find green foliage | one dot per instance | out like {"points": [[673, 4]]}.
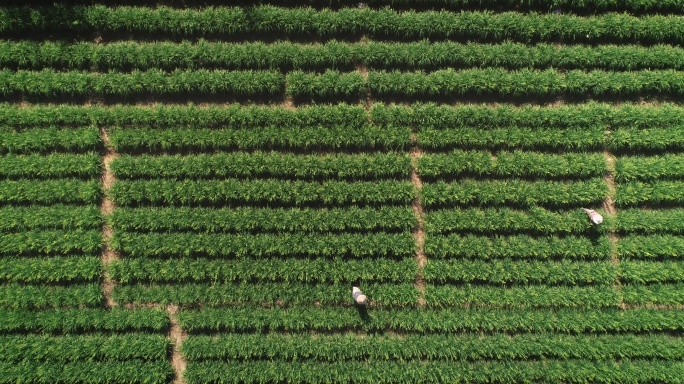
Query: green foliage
{"points": [[444, 321], [519, 272], [264, 245], [467, 347], [531, 296], [651, 139], [512, 164], [50, 242], [430, 372], [264, 165], [651, 247], [79, 320], [643, 221], [248, 219], [87, 371], [631, 168], [53, 166], [49, 192], [65, 349], [655, 294], [657, 193], [50, 83], [648, 272], [46, 140], [551, 194], [324, 271], [396, 295], [537, 139], [286, 138], [285, 55], [64, 217], [534, 220], [516, 247], [50, 270], [18, 296], [383, 23], [327, 85], [525, 83], [231, 191]]}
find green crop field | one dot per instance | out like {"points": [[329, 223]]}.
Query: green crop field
{"points": [[189, 190]]}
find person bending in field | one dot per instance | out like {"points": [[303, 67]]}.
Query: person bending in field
{"points": [[594, 216], [359, 297]]}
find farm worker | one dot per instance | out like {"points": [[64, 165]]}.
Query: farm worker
{"points": [[359, 297], [594, 216]]}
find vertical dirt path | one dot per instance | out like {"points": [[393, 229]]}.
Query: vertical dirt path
{"points": [[177, 336], [609, 207], [107, 208], [418, 231]]}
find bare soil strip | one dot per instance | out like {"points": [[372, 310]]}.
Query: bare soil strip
{"points": [[609, 207], [419, 231], [107, 208], [177, 336]]}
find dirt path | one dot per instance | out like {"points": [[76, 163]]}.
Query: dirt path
{"points": [[609, 207], [419, 231], [107, 208], [177, 336]]}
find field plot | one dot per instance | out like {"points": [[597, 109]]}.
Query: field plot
{"points": [[188, 192]]}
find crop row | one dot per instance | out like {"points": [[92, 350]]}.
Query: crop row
{"points": [[516, 247], [264, 245], [49, 192], [384, 23], [560, 371], [648, 272], [511, 164], [530, 296], [247, 219], [51, 242], [65, 349], [534, 220], [519, 272], [656, 193], [148, 372], [402, 295], [264, 165], [79, 320], [451, 320], [655, 294], [635, 140], [634, 220], [559, 273], [49, 83], [347, 86], [338, 271], [46, 140], [20, 219], [324, 271], [50, 270], [368, 138], [650, 247], [123, 56], [231, 191], [241, 347], [53, 166], [18, 296], [165, 115], [417, 115], [512, 138], [631, 168], [396, 295], [519, 83], [514, 192]]}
